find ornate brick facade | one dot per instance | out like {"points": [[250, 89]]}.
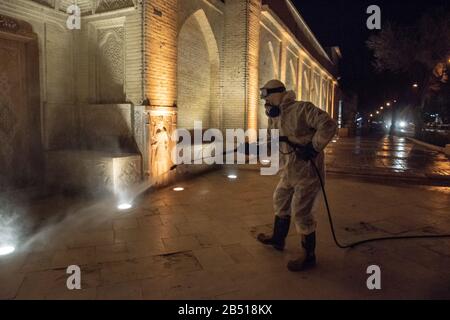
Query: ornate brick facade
{"points": [[183, 60]]}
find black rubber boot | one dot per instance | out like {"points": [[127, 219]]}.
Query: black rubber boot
{"points": [[309, 261], [280, 232]]}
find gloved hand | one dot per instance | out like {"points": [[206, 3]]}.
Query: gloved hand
{"points": [[307, 152]]}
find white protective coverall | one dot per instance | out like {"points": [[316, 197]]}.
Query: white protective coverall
{"points": [[301, 123]]}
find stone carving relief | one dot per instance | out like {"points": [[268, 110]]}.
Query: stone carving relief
{"points": [[130, 173], [110, 5], [110, 65], [162, 124], [100, 177], [160, 147]]}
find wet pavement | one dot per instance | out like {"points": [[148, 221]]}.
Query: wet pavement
{"points": [[200, 244], [388, 157]]}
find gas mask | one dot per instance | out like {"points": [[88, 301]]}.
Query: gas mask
{"points": [[271, 110]]}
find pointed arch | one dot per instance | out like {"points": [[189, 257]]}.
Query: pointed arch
{"points": [[211, 42], [198, 73]]}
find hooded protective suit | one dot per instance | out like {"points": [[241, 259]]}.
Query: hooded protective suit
{"points": [[301, 122]]}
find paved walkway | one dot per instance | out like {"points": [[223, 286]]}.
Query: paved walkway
{"points": [[200, 244], [387, 157]]}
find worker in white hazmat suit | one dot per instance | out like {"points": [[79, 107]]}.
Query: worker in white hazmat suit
{"points": [[304, 124]]}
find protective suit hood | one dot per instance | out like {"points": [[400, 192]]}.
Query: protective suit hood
{"points": [[289, 98]]}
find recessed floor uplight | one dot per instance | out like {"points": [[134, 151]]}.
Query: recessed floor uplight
{"points": [[5, 250], [124, 206], [178, 189], [232, 176]]}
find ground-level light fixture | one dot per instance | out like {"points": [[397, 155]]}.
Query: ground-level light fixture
{"points": [[5, 250], [232, 176], [124, 206], [178, 189]]}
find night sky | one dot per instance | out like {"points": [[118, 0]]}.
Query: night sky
{"points": [[343, 23]]}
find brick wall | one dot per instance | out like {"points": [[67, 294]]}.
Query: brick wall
{"points": [[161, 51], [241, 63], [254, 27]]}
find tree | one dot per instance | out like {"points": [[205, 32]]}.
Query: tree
{"points": [[420, 51]]}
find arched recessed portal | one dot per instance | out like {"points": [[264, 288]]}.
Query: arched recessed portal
{"points": [[198, 74]]}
